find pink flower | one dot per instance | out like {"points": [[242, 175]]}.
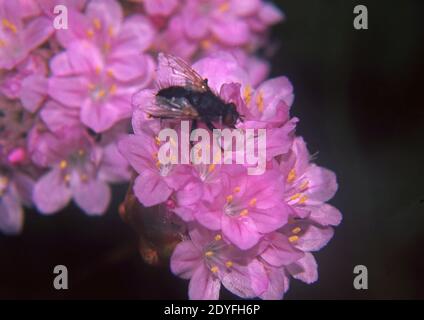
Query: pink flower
{"points": [[209, 261], [15, 191], [309, 186], [17, 37], [160, 7], [247, 208], [78, 169], [82, 79], [155, 181]]}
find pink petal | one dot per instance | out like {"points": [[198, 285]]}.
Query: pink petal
{"points": [[326, 215], [231, 32], [37, 31], [203, 285], [185, 259], [314, 238], [50, 192], [151, 189], [241, 232], [11, 214], [33, 92], [57, 116], [92, 196], [305, 269], [280, 252], [70, 91], [322, 184]]}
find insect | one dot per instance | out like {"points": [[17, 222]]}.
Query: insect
{"points": [[188, 97]]}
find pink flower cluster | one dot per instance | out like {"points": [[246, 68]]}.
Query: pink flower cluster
{"points": [[249, 233], [65, 94]]}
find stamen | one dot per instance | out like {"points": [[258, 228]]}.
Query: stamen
{"points": [[84, 177], [110, 31], [218, 237], [229, 264], [157, 141], [244, 212], [214, 269], [230, 198], [252, 202], [67, 177], [101, 94], [81, 152], [237, 189], [9, 25], [109, 73], [2, 43], [295, 196], [209, 254], [291, 176], [247, 94], [293, 239], [260, 101], [304, 185], [296, 230], [224, 7], [112, 89], [90, 33], [205, 44], [63, 164], [303, 200], [211, 167], [97, 24]]}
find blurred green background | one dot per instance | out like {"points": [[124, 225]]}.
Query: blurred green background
{"points": [[359, 96]]}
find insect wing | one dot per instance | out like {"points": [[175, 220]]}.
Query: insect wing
{"points": [[167, 109], [173, 71]]}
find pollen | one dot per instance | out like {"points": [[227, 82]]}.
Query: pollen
{"points": [[260, 101], [230, 198], [303, 199], [209, 253], [81, 152], [67, 178], [304, 185], [296, 230], [157, 141], [237, 189], [211, 167], [292, 176], [224, 7], [247, 94], [205, 44], [110, 32], [101, 94], [295, 196], [229, 264], [90, 33], [97, 24], [112, 89], [244, 212], [9, 25], [293, 239], [63, 164], [97, 70], [218, 237], [158, 164], [252, 202], [109, 73], [214, 269]]}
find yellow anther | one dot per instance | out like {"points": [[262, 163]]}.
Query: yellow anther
{"points": [[63, 164], [303, 200], [109, 73], [224, 7], [229, 264], [90, 33], [155, 155], [81, 152], [293, 239], [84, 177], [247, 94], [9, 25], [97, 70], [112, 89], [237, 189], [291, 176], [101, 94], [2, 43], [157, 141], [252, 202], [244, 212], [260, 101], [218, 237], [205, 44], [230, 198], [158, 164], [304, 185], [296, 230], [106, 46], [97, 24], [211, 167], [67, 177], [91, 86], [295, 196], [110, 31], [214, 269], [209, 253]]}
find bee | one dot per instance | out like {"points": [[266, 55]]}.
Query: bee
{"points": [[187, 96]]}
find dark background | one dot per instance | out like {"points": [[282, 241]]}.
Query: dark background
{"points": [[359, 98]]}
